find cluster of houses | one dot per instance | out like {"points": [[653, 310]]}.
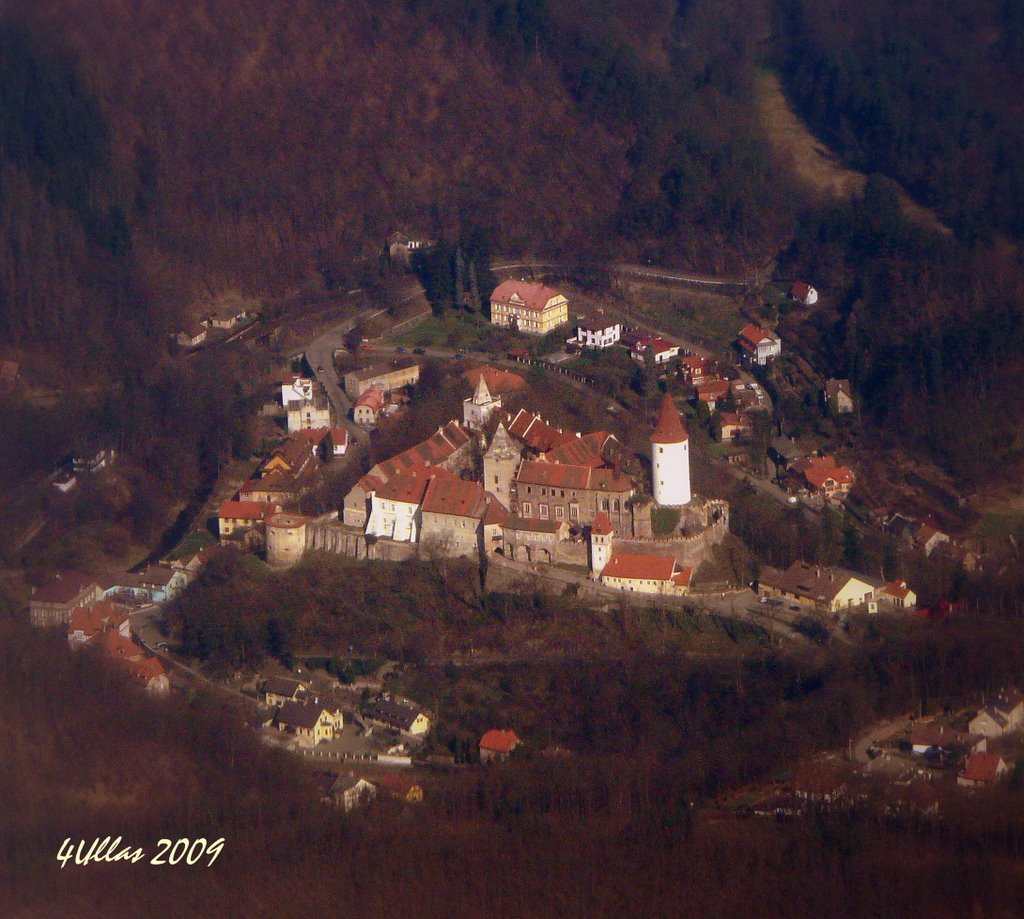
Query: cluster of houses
{"points": [[88, 610], [311, 718], [291, 470], [52, 604], [380, 389], [224, 319], [1004, 715], [818, 476]]}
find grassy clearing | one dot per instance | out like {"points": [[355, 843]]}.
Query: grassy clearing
{"points": [[713, 318], [460, 330], [1002, 525]]}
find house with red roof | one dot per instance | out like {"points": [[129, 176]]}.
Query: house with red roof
{"points": [[233, 516], [368, 406], [822, 476], [982, 769], [528, 307], [339, 441], [735, 426], [711, 392], [757, 345], [663, 351], [646, 574], [803, 293], [90, 621], [54, 602], [395, 505], [497, 745], [898, 594]]}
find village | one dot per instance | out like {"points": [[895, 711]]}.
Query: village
{"points": [[525, 500]]}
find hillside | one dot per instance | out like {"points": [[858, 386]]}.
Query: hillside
{"points": [[173, 152]]}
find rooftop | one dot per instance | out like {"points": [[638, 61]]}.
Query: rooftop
{"points": [[669, 429], [640, 567], [531, 295]]}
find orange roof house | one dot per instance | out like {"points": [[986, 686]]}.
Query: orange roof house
{"points": [[646, 574], [497, 745], [982, 769]]}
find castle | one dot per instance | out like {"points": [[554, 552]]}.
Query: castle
{"points": [[530, 492]]}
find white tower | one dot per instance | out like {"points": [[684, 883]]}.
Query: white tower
{"points": [[670, 457], [478, 408], [601, 535]]}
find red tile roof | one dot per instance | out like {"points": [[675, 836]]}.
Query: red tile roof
{"points": [[562, 475], [64, 588], [669, 429], [581, 451], [246, 510], [373, 397], [115, 645], [982, 767], [92, 619], [896, 589], [656, 343], [498, 381], [499, 741], [818, 470], [528, 294], [753, 336], [602, 526], [713, 390], [339, 436], [536, 433], [640, 567], [432, 452], [455, 497], [800, 290], [407, 488], [496, 512], [313, 436]]}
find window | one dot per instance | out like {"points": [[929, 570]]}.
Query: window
{"points": [[604, 504], [661, 449], [543, 508], [574, 512], [527, 508], [495, 480], [559, 512]]}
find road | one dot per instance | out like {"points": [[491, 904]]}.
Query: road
{"points": [[653, 272]]}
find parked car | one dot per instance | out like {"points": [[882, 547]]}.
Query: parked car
{"points": [[418, 351], [401, 350]]}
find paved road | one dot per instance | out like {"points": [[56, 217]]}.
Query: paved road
{"points": [[654, 272]]}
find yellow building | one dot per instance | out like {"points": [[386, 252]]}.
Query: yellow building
{"points": [[528, 307], [818, 587]]}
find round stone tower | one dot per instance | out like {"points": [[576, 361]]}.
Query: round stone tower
{"points": [[286, 539], [670, 457]]}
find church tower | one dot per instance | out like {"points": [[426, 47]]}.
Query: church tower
{"points": [[670, 457], [601, 535], [500, 464]]}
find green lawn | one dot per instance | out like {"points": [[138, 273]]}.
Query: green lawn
{"points": [[459, 330]]}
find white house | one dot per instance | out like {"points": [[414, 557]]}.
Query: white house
{"points": [[395, 508], [759, 346], [595, 333], [663, 350], [297, 389], [803, 293]]}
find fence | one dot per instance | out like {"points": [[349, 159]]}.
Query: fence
{"points": [[381, 759], [554, 368]]}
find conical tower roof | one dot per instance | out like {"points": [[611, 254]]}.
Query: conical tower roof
{"points": [[501, 446], [482, 395], [669, 429]]}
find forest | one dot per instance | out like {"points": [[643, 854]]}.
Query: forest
{"points": [[652, 739]]}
